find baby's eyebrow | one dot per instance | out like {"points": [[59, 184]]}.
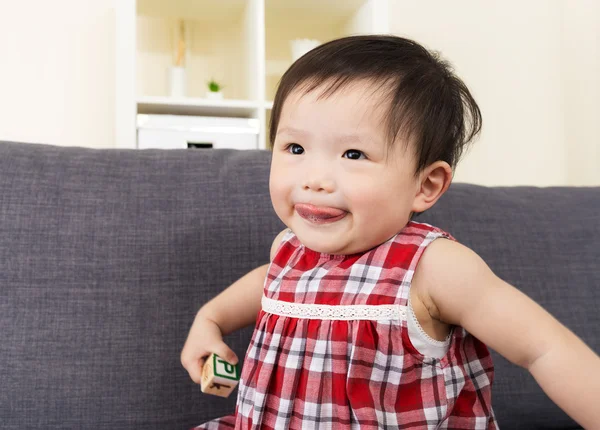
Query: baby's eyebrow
{"points": [[361, 138], [290, 131], [341, 138]]}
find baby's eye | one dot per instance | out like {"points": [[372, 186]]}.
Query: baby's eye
{"points": [[295, 149], [354, 154]]}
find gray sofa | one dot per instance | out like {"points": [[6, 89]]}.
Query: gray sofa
{"points": [[106, 255]]}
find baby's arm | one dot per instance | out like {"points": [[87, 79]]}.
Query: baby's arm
{"points": [[234, 308], [238, 305], [460, 289]]}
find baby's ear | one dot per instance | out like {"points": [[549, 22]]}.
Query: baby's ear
{"points": [[434, 180]]}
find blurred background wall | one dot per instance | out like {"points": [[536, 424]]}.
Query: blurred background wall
{"points": [[57, 72]]}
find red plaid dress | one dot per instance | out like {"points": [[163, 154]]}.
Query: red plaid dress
{"points": [[331, 348]]}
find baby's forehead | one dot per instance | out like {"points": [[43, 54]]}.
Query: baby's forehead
{"points": [[363, 92], [354, 106]]}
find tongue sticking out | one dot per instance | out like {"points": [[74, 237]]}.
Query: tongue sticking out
{"points": [[319, 213]]}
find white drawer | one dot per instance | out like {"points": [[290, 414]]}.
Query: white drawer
{"points": [[180, 132]]}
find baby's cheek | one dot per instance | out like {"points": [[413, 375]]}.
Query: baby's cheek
{"points": [[364, 194], [281, 197], [277, 197], [276, 183]]}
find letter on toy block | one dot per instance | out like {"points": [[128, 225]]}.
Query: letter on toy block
{"points": [[219, 377]]}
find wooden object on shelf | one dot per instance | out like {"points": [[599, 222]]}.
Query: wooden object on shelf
{"points": [[180, 45]]}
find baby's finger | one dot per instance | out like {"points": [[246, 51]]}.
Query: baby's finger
{"points": [[195, 370], [223, 351]]}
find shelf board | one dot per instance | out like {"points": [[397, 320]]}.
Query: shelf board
{"points": [[198, 10], [197, 106], [331, 10], [218, 10]]}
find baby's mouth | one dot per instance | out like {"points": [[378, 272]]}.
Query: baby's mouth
{"points": [[319, 214]]}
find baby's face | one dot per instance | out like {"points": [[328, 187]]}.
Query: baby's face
{"points": [[333, 182]]}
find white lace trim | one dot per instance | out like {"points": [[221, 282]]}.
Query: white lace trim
{"points": [[335, 312]]}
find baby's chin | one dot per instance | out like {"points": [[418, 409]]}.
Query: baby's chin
{"points": [[342, 243], [324, 245]]}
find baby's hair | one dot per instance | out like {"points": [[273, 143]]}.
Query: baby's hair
{"points": [[427, 103]]}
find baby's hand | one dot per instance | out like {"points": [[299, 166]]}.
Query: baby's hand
{"points": [[205, 337], [219, 377]]}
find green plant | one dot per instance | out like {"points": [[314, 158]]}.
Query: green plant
{"points": [[214, 86]]}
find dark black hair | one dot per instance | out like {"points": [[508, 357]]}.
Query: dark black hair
{"points": [[428, 103]]}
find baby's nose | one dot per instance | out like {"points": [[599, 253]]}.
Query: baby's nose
{"points": [[318, 182]]}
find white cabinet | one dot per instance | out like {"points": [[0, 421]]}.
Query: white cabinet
{"points": [[181, 132], [243, 44]]}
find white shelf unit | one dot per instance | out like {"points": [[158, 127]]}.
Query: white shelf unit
{"points": [[243, 44]]}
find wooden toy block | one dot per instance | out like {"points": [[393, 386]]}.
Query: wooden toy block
{"points": [[218, 376]]}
